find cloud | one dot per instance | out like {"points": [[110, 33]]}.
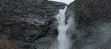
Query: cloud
{"points": [[64, 1]]}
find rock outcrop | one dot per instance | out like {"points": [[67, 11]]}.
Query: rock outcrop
{"points": [[92, 23], [29, 23]]}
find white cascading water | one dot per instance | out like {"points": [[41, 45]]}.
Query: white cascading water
{"points": [[63, 39]]}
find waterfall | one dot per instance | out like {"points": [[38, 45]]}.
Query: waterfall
{"points": [[64, 41]]}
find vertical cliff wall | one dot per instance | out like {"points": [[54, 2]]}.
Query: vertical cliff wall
{"points": [[92, 23]]}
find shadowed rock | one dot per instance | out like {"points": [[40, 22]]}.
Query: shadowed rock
{"points": [[92, 23]]}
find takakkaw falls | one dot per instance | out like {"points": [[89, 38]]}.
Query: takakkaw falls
{"points": [[55, 24], [64, 41]]}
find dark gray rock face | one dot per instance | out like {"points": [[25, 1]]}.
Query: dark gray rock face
{"points": [[92, 21], [29, 23]]}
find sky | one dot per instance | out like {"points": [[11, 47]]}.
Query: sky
{"points": [[64, 1]]}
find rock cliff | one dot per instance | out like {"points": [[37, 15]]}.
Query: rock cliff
{"points": [[92, 23], [28, 24]]}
